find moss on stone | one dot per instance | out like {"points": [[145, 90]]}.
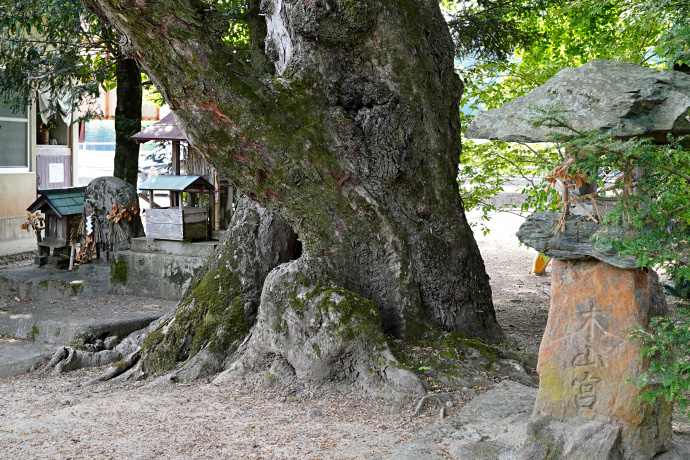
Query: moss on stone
{"points": [[447, 358], [77, 288], [358, 317], [79, 340], [269, 380], [33, 333], [457, 345], [298, 305], [118, 271], [278, 325], [121, 366], [212, 315]]}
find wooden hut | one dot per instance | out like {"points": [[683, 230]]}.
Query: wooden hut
{"points": [[184, 219], [62, 208]]}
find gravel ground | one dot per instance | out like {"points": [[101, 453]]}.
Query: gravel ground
{"points": [[53, 417]]}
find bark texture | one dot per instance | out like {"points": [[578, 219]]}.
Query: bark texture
{"points": [[127, 119], [353, 142]]}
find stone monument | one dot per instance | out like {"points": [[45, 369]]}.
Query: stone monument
{"points": [[587, 406], [106, 196]]}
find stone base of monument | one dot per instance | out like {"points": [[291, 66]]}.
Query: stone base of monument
{"points": [[587, 406]]}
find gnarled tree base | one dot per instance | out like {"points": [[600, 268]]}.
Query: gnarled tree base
{"points": [[260, 307]]}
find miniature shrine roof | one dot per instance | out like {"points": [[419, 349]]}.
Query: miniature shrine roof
{"points": [[175, 183], [62, 201], [163, 130]]}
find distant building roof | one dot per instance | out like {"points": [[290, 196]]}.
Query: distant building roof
{"points": [[62, 201], [175, 183], [164, 130]]}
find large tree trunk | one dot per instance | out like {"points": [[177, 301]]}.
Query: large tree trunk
{"points": [[354, 142], [127, 119]]}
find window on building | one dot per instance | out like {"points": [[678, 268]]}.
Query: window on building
{"points": [[14, 139]]}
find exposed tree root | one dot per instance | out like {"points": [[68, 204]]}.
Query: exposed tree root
{"points": [[118, 368], [124, 356], [434, 398]]}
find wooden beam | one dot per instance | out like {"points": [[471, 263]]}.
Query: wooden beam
{"points": [[216, 196], [149, 200], [176, 157]]}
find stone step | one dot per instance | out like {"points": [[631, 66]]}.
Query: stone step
{"points": [[20, 356], [51, 283], [177, 248], [77, 319]]}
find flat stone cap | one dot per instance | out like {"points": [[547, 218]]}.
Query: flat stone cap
{"points": [[577, 242], [623, 99]]}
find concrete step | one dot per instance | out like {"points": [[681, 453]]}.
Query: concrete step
{"points": [[42, 308], [48, 282], [77, 319]]}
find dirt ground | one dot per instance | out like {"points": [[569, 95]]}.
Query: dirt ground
{"points": [[521, 299], [54, 417]]}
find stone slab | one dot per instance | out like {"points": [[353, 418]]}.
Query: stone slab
{"points": [[100, 196], [19, 357], [575, 242], [491, 426], [162, 276], [60, 306], [66, 321], [619, 98], [174, 248], [495, 425]]}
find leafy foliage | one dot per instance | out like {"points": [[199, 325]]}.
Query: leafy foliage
{"points": [[237, 14], [492, 29], [652, 217], [55, 46], [651, 182], [667, 345], [569, 34], [665, 20], [486, 168]]}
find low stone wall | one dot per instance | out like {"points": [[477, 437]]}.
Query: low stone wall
{"points": [[158, 268]]}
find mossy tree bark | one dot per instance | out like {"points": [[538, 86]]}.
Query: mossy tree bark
{"points": [[127, 119], [353, 141]]}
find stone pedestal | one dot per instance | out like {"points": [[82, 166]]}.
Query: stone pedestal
{"points": [[586, 406]]}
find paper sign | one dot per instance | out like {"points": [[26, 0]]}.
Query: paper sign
{"points": [[56, 172]]}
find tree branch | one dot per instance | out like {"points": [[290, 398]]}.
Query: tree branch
{"points": [[672, 171]]}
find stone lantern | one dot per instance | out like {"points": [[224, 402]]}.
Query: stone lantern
{"points": [[587, 405]]}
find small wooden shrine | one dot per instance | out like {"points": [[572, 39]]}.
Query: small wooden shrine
{"points": [[194, 164], [62, 208], [185, 219]]}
